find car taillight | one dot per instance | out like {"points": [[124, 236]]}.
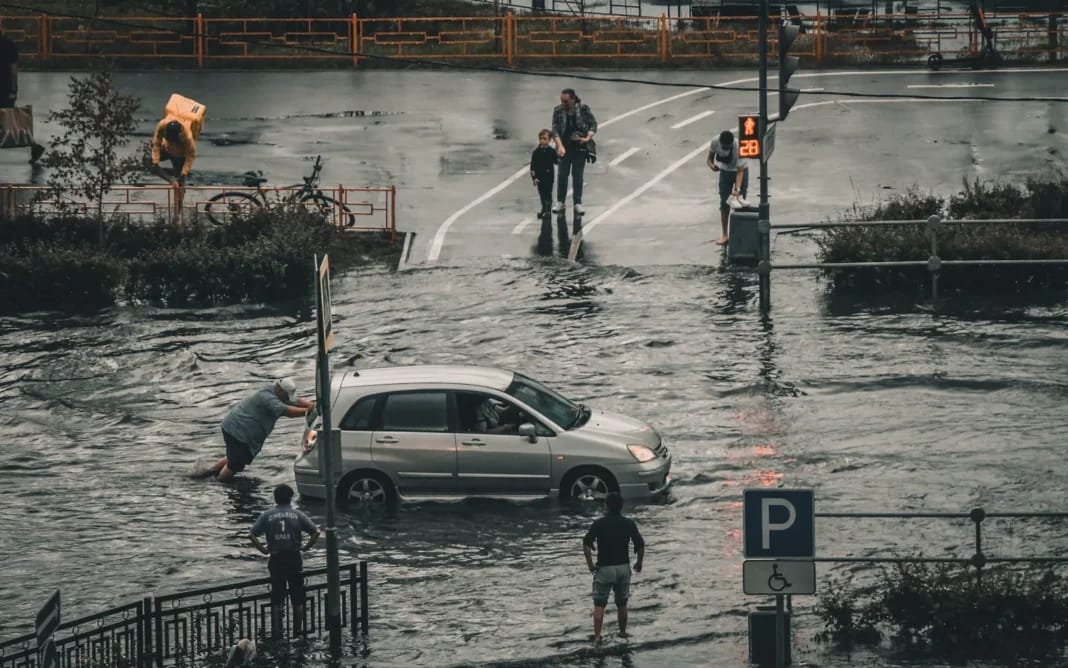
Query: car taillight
{"points": [[310, 437]]}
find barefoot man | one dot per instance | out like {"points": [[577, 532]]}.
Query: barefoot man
{"points": [[733, 176], [613, 533], [249, 423]]}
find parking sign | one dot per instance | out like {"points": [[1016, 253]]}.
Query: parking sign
{"points": [[779, 523]]}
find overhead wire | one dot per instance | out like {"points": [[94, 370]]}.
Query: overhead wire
{"points": [[431, 63]]}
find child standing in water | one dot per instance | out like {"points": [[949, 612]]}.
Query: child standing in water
{"points": [[543, 170]]}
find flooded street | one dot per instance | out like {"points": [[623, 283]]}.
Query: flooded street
{"points": [[887, 407]]}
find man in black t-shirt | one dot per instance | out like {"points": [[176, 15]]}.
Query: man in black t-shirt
{"points": [[613, 533], [9, 83]]}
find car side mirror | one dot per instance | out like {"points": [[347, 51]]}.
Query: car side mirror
{"points": [[529, 431]]}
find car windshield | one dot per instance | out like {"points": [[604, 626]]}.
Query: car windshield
{"points": [[549, 403]]}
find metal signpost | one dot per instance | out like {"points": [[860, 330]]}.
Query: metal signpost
{"points": [[779, 532], [45, 627], [325, 330]]}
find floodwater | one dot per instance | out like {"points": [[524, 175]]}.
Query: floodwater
{"points": [[878, 407]]}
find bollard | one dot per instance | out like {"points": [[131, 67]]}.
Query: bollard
{"points": [[743, 237], [762, 636]]}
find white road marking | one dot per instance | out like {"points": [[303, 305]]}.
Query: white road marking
{"points": [[952, 85], [692, 119], [703, 148], [848, 101], [623, 156], [518, 229], [812, 90], [443, 229]]}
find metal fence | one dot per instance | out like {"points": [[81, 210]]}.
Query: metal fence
{"points": [[187, 627], [978, 559], [934, 263], [350, 209], [529, 37]]}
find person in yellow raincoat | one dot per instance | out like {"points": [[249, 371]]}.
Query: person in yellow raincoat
{"points": [[175, 142]]}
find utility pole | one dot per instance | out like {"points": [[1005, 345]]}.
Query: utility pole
{"points": [[764, 215]]}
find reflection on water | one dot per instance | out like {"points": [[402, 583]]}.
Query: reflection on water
{"points": [[105, 414]]}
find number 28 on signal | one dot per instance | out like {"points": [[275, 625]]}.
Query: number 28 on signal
{"points": [[749, 148]]}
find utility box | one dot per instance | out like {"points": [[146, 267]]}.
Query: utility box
{"points": [[743, 237], [762, 636]]}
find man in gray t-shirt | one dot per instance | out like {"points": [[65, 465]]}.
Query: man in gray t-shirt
{"points": [[283, 525], [248, 424], [723, 157]]}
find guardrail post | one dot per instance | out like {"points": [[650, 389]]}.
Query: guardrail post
{"points": [[144, 651], [1052, 32], [42, 37], [934, 263], [354, 38], [661, 38], [978, 559], [201, 41], [818, 37], [365, 614], [393, 213]]}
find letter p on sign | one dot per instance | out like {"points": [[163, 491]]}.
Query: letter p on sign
{"points": [[779, 523]]}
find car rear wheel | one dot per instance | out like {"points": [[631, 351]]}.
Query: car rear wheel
{"points": [[367, 490], [588, 485]]}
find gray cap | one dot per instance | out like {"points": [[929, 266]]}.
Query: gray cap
{"points": [[288, 387]]}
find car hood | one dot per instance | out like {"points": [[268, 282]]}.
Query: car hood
{"points": [[621, 427]]}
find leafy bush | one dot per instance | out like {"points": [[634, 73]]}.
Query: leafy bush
{"points": [[1008, 614], [974, 241], [264, 256]]}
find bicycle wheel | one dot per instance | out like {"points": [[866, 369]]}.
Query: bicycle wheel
{"points": [[329, 208], [223, 206]]}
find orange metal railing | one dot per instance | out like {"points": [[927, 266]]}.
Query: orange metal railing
{"points": [[528, 38], [356, 209]]}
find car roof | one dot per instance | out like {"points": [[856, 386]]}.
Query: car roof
{"points": [[489, 377]]}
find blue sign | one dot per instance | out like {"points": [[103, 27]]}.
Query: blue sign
{"points": [[779, 523]]}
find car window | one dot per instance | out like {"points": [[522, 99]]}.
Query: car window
{"points": [[470, 404], [416, 411], [549, 403], [359, 416]]}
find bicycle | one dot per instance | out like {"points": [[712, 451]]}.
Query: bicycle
{"points": [[308, 194]]}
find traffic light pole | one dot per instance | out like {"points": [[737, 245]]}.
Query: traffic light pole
{"points": [[764, 222]]}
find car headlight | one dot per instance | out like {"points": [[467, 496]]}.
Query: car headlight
{"points": [[642, 453], [309, 440]]}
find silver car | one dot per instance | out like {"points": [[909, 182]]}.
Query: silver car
{"points": [[422, 431]]}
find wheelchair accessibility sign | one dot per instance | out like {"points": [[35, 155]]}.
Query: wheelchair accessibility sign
{"points": [[771, 576]]}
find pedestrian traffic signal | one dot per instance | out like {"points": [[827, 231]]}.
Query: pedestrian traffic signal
{"points": [[787, 66], [749, 142]]}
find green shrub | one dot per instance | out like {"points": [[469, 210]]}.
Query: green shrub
{"points": [[264, 256], [1009, 614], [974, 241]]}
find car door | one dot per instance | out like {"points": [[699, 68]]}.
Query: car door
{"points": [[414, 442], [499, 464]]}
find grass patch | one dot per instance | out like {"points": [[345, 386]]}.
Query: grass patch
{"points": [[60, 263], [1036, 199]]}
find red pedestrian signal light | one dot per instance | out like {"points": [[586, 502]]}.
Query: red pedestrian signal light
{"points": [[749, 143]]}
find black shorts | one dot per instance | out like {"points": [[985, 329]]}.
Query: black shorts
{"points": [[238, 453], [286, 570]]}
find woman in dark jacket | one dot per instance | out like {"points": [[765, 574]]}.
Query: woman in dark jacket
{"points": [[573, 128]]}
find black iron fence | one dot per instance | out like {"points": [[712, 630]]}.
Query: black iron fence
{"points": [[978, 559], [186, 627]]}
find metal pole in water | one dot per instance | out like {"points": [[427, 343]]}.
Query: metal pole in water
{"points": [[325, 335], [764, 221], [780, 633]]}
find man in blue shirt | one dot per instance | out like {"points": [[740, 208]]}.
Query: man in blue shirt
{"points": [[248, 424], [283, 526]]}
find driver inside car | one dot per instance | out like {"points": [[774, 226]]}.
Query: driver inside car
{"points": [[494, 418]]}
